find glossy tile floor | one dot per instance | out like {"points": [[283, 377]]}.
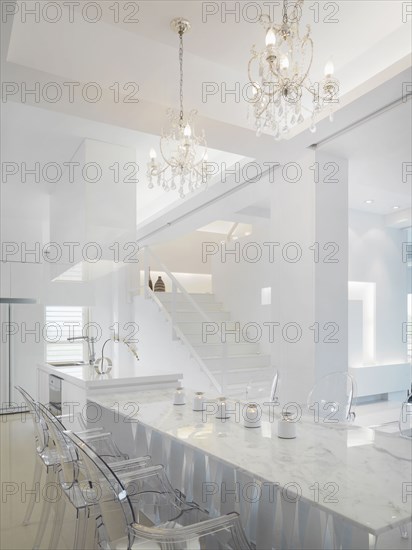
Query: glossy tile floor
{"points": [[17, 463], [16, 472], [377, 413]]}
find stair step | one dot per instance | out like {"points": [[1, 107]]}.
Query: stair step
{"points": [[261, 393], [214, 339], [243, 366], [187, 306], [216, 349], [198, 327], [239, 380], [240, 362], [199, 297], [254, 375], [195, 317]]}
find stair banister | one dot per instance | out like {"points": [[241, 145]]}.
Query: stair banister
{"points": [[182, 289], [176, 331], [185, 293], [174, 291]]}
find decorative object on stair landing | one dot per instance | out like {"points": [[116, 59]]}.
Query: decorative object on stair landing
{"points": [[150, 281], [184, 153], [159, 285], [279, 74]]}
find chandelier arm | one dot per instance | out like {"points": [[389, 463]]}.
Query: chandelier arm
{"points": [[275, 73], [265, 21], [200, 143], [305, 76], [157, 171], [256, 85], [199, 162], [248, 68], [167, 161]]}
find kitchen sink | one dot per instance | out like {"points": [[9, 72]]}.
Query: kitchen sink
{"points": [[67, 364]]}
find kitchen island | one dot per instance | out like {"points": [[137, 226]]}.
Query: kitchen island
{"points": [[315, 491], [80, 382]]}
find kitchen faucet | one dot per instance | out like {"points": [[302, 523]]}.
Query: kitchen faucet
{"points": [[90, 344], [104, 364], [116, 339]]}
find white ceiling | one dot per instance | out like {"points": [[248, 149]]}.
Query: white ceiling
{"points": [[377, 150], [368, 45], [217, 50]]}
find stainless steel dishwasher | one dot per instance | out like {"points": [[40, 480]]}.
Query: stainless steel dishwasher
{"points": [[55, 394]]}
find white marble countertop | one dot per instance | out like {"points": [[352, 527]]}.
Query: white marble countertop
{"points": [[86, 377], [369, 472]]}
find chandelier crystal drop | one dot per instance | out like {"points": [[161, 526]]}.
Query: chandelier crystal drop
{"points": [[184, 153], [282, 91]]}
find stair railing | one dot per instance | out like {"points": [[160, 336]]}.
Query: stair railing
{"points": [[177, 333]]}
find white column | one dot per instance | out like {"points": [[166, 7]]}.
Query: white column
{"points": [[310, 277]]}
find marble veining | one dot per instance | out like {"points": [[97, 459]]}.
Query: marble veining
{"points": [[362, 477]]}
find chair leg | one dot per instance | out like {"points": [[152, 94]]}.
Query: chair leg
{"points": [[51, 479], [81, 528], [38, 469], [58, 523], [92, 539], [404, 531]]}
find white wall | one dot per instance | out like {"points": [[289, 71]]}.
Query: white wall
{"points": [[407, 238], [238, 284], [102, 211], [113, 312], [184, 254], [159, 353], [375, 255], [197, 283], [27, 212]]}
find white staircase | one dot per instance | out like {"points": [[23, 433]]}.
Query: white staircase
{"points": [[234, 364]]}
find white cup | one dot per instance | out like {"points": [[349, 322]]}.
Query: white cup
{"points": [[221, 412], [179, 398], [198, 401], [286, 428], [252, 416]]}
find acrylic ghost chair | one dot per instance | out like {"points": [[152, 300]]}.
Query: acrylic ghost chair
{"points": [[405, 420], [71, 479], [260, 392], [332, 397], [404, 424], [46, 456], [143, 511]]}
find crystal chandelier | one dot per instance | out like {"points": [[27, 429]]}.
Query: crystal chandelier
{"points": [[184, 154], [282, 90]]}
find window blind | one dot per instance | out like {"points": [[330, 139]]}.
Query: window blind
{"points": [[63, 322]]}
